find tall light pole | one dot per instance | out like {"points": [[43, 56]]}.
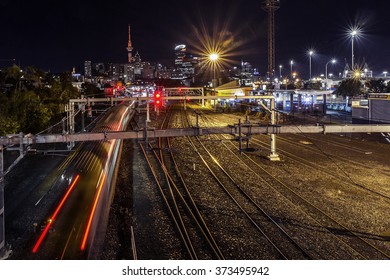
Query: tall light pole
{"points": [[353, 34], [280, 71], [213, 58], [310, 55], [326, 72], [291, 65], [270, 6], [385, 73]]}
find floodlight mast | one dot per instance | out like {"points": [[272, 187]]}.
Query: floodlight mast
{"points": [[270, 6]]}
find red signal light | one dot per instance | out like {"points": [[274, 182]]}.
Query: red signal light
{"points": [[157, 97]]}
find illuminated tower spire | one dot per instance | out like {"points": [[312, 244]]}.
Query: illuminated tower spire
{"points": [[270, 6], [129, 48]]}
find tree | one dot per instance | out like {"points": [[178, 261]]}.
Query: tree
{"points": [[313, 85], [13, 76], [13, 72], [291, 85], [8, 126], [3, 105], [349, 87], [34, 76], [33, 102], [68, 90], [299, 84], [90, 89], [376, 86]]}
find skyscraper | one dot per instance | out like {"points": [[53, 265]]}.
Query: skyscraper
{"points": [[184, 62], [87, 69]]}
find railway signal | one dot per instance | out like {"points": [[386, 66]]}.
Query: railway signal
{"points": [[158, 95], [157, 98]]}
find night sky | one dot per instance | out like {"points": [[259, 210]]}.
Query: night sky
{"points": [[59, 35]]}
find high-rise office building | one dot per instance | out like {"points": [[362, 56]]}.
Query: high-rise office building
{"points": [[87, 69], [184, 63]]}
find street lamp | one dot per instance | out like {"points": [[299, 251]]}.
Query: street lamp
{"points": [[213, 58], [385, 73], [291, 64], [326, 72], [280, 71], [353, 35], [310, 55]]}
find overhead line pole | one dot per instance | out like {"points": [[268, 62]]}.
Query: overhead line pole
{"points": [[2, 221], [270, 6]]}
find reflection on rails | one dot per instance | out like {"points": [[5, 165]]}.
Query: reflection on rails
{"points": [[79, 216]]}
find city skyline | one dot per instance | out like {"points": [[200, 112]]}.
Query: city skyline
{"points": [[63, 36]]}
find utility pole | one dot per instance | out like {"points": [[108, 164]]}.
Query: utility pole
{"points": [[270, 6], [4, 251], [2, 222]]}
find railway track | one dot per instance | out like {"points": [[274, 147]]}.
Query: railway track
{"points": [[314, 231], [283, 245], [325, 148], [340, 175], [362, 244], [194, 233]]}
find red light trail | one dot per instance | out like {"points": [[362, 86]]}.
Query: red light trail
{"points": [[87, 230], [52, 219]]}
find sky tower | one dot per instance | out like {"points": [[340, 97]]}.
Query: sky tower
{"points": [[129, 48], [270, 6]]}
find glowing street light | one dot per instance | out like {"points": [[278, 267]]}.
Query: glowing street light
{"points": [[357, 74], [280, 71], [326, 72], [214, 58], [353, 35], [385, 73], [310, 55], [291, 65]]}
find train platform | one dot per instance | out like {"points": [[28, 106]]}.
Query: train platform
{"points": [[330, 117]]}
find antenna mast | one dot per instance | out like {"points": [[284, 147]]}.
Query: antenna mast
{"points": [[129, 48]]}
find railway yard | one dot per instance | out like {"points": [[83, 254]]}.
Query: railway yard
{"points": [[200, 198], [328, 198]]}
